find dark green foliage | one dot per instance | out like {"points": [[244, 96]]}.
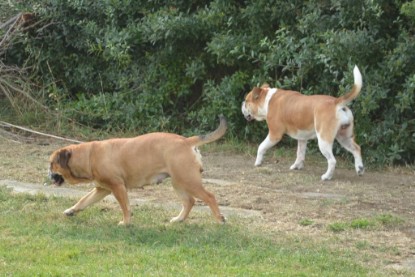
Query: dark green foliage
{"points": [[176, 65]]}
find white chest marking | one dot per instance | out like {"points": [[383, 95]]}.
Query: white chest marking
{"points": [[263, 111]]}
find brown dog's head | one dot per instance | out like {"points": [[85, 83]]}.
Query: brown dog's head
{"points": [[252, 107], [59, 169]]}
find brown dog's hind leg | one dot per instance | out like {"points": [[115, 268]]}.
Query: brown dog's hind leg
{"points": [[188, 183], [197, 190], [210, 199], [191, 186], [188, 201], [92, 197]]}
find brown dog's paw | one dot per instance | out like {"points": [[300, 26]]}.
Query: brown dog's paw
{"points": [[176, 219], [123, 223], [223, 219], [69, 212]]}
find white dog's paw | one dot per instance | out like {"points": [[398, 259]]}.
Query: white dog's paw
{"points": [[69, 212], [360, 170], [259, 159], [297, 166], [326, 177], [258, 162]]}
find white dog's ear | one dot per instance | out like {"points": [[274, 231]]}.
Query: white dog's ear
{"points": [[256, 92]]}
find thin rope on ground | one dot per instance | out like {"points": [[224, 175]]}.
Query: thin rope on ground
{"points": [[9, 125]]}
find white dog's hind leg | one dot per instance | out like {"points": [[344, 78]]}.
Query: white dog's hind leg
{"points": [[349, 144], [326, 149], [262, 149], [301, 149], [345, 137]]}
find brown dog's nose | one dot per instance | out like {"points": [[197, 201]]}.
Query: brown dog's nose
{"points": [[57, 179]]}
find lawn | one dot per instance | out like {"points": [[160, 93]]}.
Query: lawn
{"points": [[37, 240]]}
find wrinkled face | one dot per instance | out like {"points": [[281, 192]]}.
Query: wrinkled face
{"points": [[252, 104], [56, 179], [59, 166]]}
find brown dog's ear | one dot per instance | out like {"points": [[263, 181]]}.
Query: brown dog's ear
{"points": [[265, 85], [63, 158]]}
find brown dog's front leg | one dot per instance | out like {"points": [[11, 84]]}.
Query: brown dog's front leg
{"points": [[92, 197]]}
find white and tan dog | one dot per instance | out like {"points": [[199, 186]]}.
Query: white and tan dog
{"points": [[305, 117], [117, 165]]}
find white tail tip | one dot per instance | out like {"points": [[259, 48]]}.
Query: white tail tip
{"points": [[357, 77]]}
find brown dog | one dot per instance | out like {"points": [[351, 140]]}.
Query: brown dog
{"points": [[116, 165], [306, 117]]}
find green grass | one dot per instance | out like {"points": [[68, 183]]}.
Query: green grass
{"points": [[389, 220], [377, 222], [337, 227], [36, 239], [306, 222]]}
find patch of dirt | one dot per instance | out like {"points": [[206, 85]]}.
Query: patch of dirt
{"points": [[276, 198]]}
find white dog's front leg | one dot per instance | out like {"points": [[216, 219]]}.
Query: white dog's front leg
{"points": [[262, 149]]}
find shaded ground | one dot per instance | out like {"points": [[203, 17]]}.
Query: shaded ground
{"points": [[294, 203]]}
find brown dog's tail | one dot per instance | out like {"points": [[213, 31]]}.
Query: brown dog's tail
{"points": [[349, 97], [215, 135]]}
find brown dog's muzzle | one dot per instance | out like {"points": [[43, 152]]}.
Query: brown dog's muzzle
{"points": [[57, 179]]}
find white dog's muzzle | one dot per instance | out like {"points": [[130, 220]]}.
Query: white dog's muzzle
{"points": [[246, 113]]}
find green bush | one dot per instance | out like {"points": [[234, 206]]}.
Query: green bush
{"points": [[176, 65]]}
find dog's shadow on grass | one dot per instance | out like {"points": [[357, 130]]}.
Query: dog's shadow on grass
{"points": [[150, 226]]}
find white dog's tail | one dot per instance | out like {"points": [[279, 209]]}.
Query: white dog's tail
{"points": [[349, 97], [215, 135]]}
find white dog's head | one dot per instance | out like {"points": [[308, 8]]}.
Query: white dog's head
{"points": [[254, 105]]}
